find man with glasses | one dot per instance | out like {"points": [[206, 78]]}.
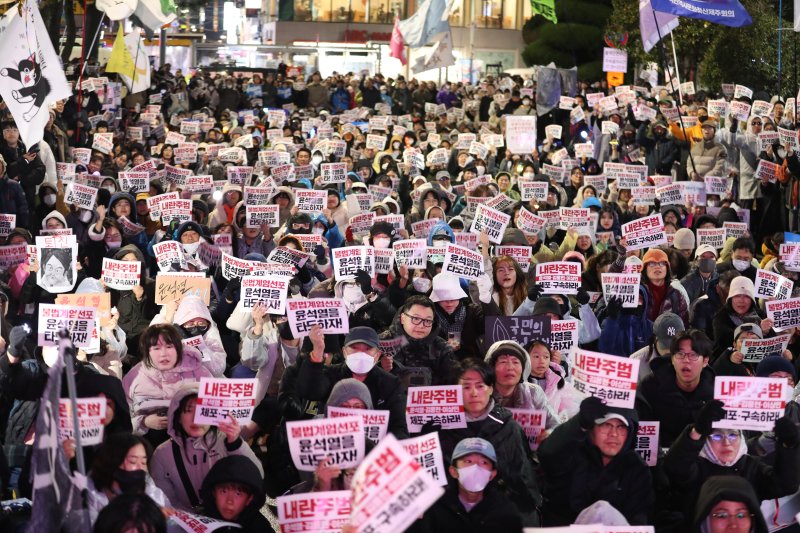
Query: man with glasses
{"points": [[591, 457], [679, 385]]}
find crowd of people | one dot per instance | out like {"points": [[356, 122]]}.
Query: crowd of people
{"points": [[411, 326]]}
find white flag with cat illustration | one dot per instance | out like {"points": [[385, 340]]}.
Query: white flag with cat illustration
{"points": [[31, 75]]}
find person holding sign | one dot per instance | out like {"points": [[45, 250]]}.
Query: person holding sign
{"points": [[739, 308], [731, 361], [702, 451], [180, 464], [474, 502], [233, 491]]}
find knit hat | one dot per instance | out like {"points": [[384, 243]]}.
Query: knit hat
{"points": [[347, 389], [654, 255], [545, 305], [16, 340], [684, 239], [775, 363], [742, 285], [384, 228], [506, 347]]}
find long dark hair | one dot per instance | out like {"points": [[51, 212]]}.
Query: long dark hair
{"points": [[131, 512], [110, 456]]}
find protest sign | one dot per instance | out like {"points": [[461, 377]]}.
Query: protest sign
{"points": [[329, 313], [520, 134], [787, 137], [670, 194], [332, 173], [615, 60], [462, 262], [103, 142], [361, 224], [154, 203], [358, 203], [7, 224], [288, 256], [754, 350], [268, 291], [91, 414], [427, 451], [716, 185], [57, 257], [522, 329], [168, 253], [221, 398], [625, 287], [12, 254], [771, 285], [320, 512], [767, 138], [529, 222], [192, 523], [442, 405], [78, 321], [81, 195], [647, 442], [384, 260], [574, 217], [735, 229], [310, 201], [533, 190], [789, 253], [134, 182], [412, 253], [711, 236], [173, 286], [607, 377], [376, 422], [491, 221], [751, 403], [282, 173], [520, 254], [784, 314], [270, 269], [348, 260], [559, 277], [339, 440], [261, 215], [643, 195], [532, 422], [390, 490], [179, 210], [121, 275], [647, 232], [767, 171]]}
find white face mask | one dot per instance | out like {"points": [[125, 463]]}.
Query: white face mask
{"points": [[110, 188], [86, 216], [49, 199], [527, 175], [474, 478], [359, 362], [481, 169], [381, 242], [191, 248], [113, 243], [318, 231], [740, 265], [422, 285], [352, 294], [317, 160]]}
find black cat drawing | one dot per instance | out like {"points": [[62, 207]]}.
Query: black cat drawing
{"points": [[35, 88]]}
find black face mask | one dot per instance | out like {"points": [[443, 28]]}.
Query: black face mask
{"points": [[701, 119], [194, 331], [130, 482]]}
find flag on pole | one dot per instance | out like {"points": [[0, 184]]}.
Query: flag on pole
{"points": [[430, 20], [397, 48], [137, 78], [726, 12], [545, 8], [652, 22], [31, 75], [440, 57], [121, 60]]}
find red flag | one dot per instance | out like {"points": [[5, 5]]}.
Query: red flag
{"points": [[397, 46]]}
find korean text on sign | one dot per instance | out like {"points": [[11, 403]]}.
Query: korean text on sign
{"points": [[751, 403], [559, 277], [219, 398], [329, 313], [607, 377], [645, 232], [317, 512], [427, 450], [341, 440], [442, 405]]}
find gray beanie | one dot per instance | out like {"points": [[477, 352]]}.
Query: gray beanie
{"points": [[347, 389]]}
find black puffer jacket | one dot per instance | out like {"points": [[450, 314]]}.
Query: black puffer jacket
{"points": [[728, 488], [659, 398], [237, 469]]}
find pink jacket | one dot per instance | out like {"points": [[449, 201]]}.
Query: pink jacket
{"points": [[566, 400]]}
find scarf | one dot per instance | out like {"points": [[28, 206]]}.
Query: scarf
{"points": [[708, 454], [452, 323]]}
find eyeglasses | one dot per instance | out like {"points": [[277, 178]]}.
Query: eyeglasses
{"points": [[417, 320], [608, 427], [719, 437], [724, 515], [756, 123], [659, 264], [690, 356]]}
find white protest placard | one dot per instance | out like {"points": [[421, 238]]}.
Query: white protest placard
{"points": [[179, 210], [739, 110], [559, 277], [491, 221], [390, 490], [566, 103], [134, 182], [607, 377], [361, 224], [443, 405], [412, 253], [554, 131], [520, 134], [623, 286], [609, 127], [574, 217], [462, 262], [81, 195], [712, 236], [563, 335], [767, 138], [186, 153], [376, 142], [647, 442], [615, 60], [234, 154], [288, 256], [716, 185], [310, 201], [103, 142], [340, 440], [647, 232], [193, 523], [12, 254], [331, 173], [751, 403], [767, 171], [754, 350], [268, 291], [261, 215], [7, 224], [740, 91], [532, 422], [221, 398], [121, 275], [427, 451], [329, 313], [671, 194], [91, 414], [734, 229], [789, 254], [384, 260], [78, 321], [348, 260], [584, 150], [643, 195], [771, 285], [238, 175], [529, 222], [520, 254], [167, 253], [173, 286], [787, 136], [320, 512], [57, 257], [375, 422], [784, 314]]}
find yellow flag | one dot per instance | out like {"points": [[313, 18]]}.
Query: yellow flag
{"points": [[120, 60]]}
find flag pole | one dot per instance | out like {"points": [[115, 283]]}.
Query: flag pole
{"points": [[67, 352], [94, 41]]}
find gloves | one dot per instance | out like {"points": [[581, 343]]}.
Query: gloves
{"points": [[786, 432], [711, 412], [613, 307], [591, 409], [16, 341], [319, 252], [232, 288], [534, 292], [429, 427], [285, 331], [364, 282], [583, 296], [621, 250]]}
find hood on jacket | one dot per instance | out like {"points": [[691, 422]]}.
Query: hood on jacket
{"points": [[514, 236], [728, 488], [287, 190], [173, 416], [441, 228], [234, 469], [90, 286], [122, 195], [54, 214], [632, 418], [129, 249], [424, 190], [192, 307]]}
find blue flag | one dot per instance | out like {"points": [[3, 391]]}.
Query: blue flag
{"points": [[725, 12]]}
